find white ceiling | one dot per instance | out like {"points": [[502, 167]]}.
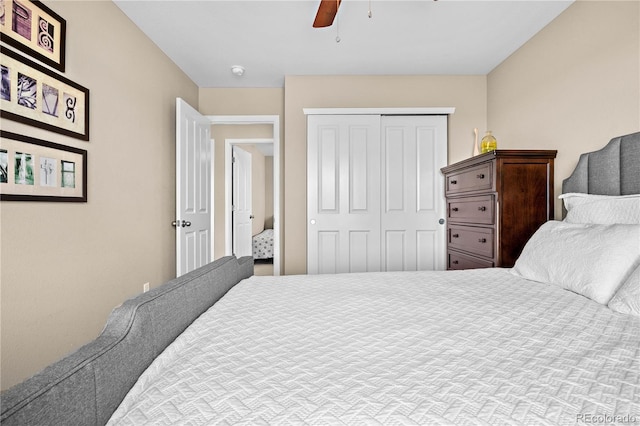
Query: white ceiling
{"points": [[274, 38]]}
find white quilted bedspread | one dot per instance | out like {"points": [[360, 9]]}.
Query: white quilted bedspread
{"points": [[476, 347]]}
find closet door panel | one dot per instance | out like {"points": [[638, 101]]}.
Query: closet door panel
{"points": [[359, 171], [359, 260], [414, 151], [343, 194], [395, 246], [328, 168], [426, 171], [426, 245], [328, 249], [394, 157]]}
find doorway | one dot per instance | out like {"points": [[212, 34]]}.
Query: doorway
{"points": [[256, 239], [241, 120]]}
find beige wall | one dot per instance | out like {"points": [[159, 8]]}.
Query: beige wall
{"points": [[242, 101], [572, 87], [65, 266], [467, 94]]}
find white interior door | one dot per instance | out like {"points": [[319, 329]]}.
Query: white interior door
{"points": [[242, 209], [194, 205], [414, 148], [343, 198]]}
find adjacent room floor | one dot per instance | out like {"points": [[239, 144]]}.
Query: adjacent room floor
{"points": [[263, 267]]}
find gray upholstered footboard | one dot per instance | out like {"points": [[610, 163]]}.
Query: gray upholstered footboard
{"points": [[87, 386]]}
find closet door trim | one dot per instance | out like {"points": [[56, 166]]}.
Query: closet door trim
{"points": [[380, 111]]}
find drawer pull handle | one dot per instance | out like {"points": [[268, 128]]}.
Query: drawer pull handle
{"points": [[482, 208], [454, 209], [455, 235], [482, 240], [454, 182], [455, 262], [480, 176]]}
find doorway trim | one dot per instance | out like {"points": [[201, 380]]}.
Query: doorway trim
{"points": [[274, 120]]}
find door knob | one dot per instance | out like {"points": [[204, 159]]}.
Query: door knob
{"points": [[185, 223], [251, 217]]}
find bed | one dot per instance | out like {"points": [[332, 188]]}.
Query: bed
{"points": [[554, 340], [263, 245]]}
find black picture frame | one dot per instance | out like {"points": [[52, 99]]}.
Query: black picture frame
{"points": [[34, 29], [37, 170], [27, 85]]}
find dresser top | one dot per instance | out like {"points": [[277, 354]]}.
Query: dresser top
{"points": [[501, 153]]}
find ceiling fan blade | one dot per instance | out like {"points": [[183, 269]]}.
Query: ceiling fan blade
{"points": [[326, 13]]}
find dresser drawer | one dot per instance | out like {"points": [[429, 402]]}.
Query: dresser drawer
{"points": [[472, 210], [474, 240], [457, 260], [474, 179]]}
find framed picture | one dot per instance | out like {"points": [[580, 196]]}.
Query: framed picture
{"points": [[36, 170], [35, 95], [34, 29]]}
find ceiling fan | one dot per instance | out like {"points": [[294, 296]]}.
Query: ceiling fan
{"points": [[326, 13]]}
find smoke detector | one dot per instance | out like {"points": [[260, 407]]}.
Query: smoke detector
{"points": [[237, 70]]}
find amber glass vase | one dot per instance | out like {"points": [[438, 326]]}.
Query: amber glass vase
{"points": [[488, 143]]}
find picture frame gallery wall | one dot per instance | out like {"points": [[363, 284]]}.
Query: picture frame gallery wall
{"points": [[34, 94]]}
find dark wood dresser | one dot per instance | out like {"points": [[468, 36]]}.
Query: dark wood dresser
{"points": [[495, 202]]}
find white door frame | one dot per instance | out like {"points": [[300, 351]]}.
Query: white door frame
{"points": [[273, 120]]}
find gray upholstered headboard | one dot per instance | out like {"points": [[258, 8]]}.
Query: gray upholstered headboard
{"points": [[613, 170], [86, 387]]}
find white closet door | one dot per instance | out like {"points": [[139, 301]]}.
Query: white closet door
{"points": [[343, 198], [414, 148]]}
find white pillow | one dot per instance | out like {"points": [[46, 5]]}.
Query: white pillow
{"points": [[602, 209], [591, 260], [627, 299]]}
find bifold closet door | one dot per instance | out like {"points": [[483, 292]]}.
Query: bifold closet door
{"points": [[414, 148], [343, 193]]}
